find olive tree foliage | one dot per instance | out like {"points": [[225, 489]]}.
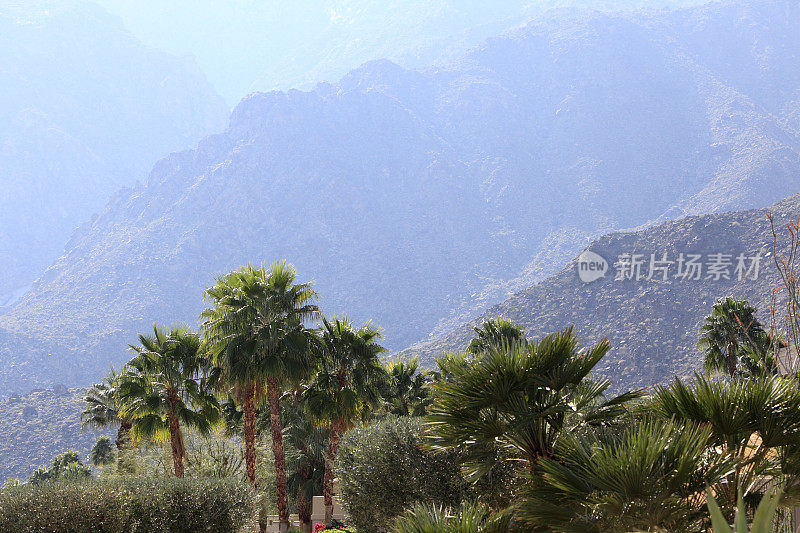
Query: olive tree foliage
{"points": [[384, 469], [129, 506]]}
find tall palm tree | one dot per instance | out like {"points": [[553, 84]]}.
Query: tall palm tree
{"points": [[731, 326], [165, 387], [256, 328], [102, 408], [406, 391], [513, 402], [345, 387], [494, 333]]}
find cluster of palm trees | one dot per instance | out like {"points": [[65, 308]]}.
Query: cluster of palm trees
{"points": [[255, 346], [638, 461], [543, 443]]}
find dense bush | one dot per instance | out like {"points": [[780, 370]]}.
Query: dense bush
{"points": [[383, 469], [168, 505]]}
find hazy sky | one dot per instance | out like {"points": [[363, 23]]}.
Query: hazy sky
{"points": [[253, 45], [248, 45], [235, 42]]}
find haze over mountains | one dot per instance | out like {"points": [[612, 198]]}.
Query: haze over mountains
{"points": [[417, 197], [84, 109], [252, 45], [652, 324]]}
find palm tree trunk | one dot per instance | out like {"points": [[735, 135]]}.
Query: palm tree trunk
{"points": [[303, 512], [327, 485], [249, 408], [176, 439], [274, 399], [123, 434], [125, 461], [732, 359]]}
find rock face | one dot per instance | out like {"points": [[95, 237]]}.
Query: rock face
{"points": [[36, 426], [84, 110], [652, 323], [416, 198]]}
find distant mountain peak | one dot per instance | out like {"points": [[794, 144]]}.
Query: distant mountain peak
{"points": [[420, 198]]}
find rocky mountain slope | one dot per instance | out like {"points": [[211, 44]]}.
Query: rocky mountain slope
{"points": [[84, 109], [36, 426], [652, 323], [415, 197]]}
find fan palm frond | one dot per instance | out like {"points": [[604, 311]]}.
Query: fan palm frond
{"points": [[163, 389], [514, 401]]}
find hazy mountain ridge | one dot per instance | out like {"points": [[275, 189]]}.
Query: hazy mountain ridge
{"points": [[84, 110], [652, 324], [418, 197]]}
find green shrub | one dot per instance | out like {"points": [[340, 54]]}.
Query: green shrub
{"points": [[65, 466], [383, 469], [130, 506], [469, 518]]}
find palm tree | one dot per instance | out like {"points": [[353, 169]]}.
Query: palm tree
{"points": [[406, 391], [345, 387], [756, 421], [256, 328], [512, 402], [494, 333], [102, 408], [305, 457], [101, 453], [759, 358], [165, 388], [651, 476], [730, 326]]}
